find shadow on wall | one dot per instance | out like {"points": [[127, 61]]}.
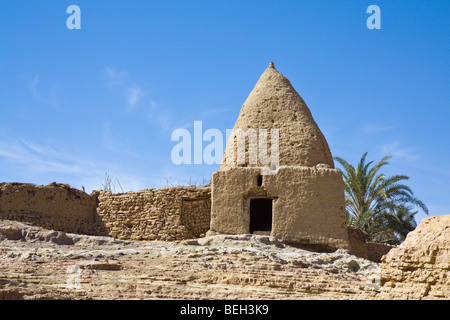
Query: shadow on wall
{"points": [[362, 248]]}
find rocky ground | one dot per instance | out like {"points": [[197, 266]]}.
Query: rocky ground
{"points": [[42, 264]]}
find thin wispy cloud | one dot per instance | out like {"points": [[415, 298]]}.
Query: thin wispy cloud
{"points": [[400, 152], [113, 75], [159, 116], [39, 160], [136, 99], [371, 128], [112, 143], [134, 95], [44, 96], [214, 111], [118, 81], [33, 86]]}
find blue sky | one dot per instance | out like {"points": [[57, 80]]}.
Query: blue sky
{"points": [[75, 104]]}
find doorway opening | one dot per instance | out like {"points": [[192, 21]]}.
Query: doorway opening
{"points": [[260, 216]]}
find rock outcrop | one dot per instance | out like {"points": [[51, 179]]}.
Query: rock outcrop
{"points": [[36, 263], [420, 267], [33, 265]]}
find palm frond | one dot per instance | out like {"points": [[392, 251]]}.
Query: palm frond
{"points": [[377, 204]]}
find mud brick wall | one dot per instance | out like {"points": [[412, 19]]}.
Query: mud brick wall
{"points": [[171, 213], [55, 206]]}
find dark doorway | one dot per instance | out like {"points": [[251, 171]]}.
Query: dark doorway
{"points": [[260, 215]]}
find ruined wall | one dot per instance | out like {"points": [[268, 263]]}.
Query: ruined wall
{"points": [[359, 246], [172, 213], [308, 203], [55, 206]]}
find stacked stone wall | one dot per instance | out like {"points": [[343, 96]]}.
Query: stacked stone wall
{"points": [[172, 213]]}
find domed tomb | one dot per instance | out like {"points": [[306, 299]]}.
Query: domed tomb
{"points": [[274, 104], [277, 176]]}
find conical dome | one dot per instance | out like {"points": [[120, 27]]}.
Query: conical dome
{"points": [[274, 104]]}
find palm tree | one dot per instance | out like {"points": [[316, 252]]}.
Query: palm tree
{"points": [[377, 204]]}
